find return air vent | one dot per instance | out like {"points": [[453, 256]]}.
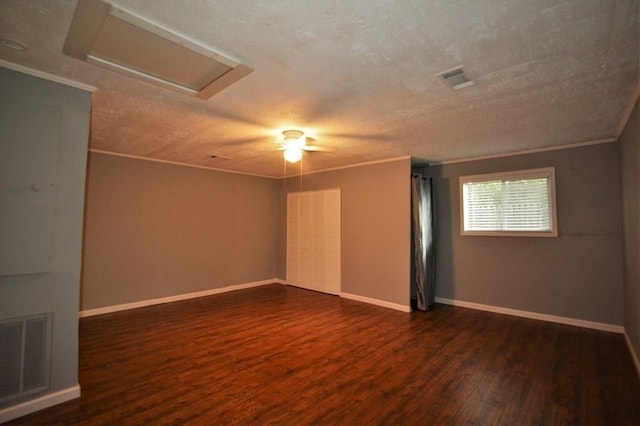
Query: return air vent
{"points": [[24, 356], [120, 41], [456, 78]]}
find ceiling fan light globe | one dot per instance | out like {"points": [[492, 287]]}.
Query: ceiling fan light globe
{"points": [[294, 139], [300, 142], [293, 155]]}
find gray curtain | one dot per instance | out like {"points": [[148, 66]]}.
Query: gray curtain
{"points": [[422, 228]]}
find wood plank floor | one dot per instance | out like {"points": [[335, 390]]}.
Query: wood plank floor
{"points": [[287, 356]]}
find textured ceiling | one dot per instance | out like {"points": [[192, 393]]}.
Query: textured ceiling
{"points": [[359, 75]]}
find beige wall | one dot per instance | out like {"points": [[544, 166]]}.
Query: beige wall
{"points": [[375, 227], [577, 275], [630, 172], [155, 230]]}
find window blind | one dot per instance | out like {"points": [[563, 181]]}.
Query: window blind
{"points": [[508, 203]]}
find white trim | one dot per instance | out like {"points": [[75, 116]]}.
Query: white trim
{"points": [[377, 302], [548, 173], [632, 351], [176, 298], [176, 163], [534, 315], [628, 111], [131, 72], [528, 151], [367, 163], [47, 76], [37, 404]]}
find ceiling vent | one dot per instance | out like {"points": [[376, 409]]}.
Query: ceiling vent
{"points": [[456, 78], [120, 41]]}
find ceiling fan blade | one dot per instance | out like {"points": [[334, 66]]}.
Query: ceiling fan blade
{"points": [[331, 105], [227, 115], [316, 148], [370, 137], [243, 141]]}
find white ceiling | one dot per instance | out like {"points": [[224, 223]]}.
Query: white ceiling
{"points": [[359, 75]]}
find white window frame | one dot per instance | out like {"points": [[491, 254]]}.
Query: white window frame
{"points": [[547, 172]]}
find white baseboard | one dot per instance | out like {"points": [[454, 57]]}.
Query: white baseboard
{"points": [[176, 298], [39, 403], [632, 351], [377, 302], [534, 315], [364, 299]]}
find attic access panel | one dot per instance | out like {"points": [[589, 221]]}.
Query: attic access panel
{"points": [[118, 40]]}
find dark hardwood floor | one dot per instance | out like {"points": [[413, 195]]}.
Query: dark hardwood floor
{"points": [[282, 355]]}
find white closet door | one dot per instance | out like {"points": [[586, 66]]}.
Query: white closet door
{"points": [[306, 249], [332, 242], [313, 240], [293, 238]]}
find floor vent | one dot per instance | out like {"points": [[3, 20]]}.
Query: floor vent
{"points": [[25, 356]]}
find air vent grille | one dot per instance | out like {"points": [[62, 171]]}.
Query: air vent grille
{"points": [[25, 361], [456, 78]]}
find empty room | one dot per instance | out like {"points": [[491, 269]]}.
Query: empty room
{"points": [[319, 212]]}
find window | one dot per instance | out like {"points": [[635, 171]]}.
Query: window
{"points": [[521, 203]]}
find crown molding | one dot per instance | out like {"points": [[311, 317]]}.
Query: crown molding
{"points": [[47, 76], [627, 112], [524, 152], [176, 163]]}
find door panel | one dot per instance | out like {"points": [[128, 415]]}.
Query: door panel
{"points": [[313, 240]]}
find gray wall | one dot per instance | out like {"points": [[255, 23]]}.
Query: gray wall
{"points": [[56, 291], [577, 275], [157, 230], [376, 227], [630, 172]]}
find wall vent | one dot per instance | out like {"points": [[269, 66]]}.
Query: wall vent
{"points": [[25, 356], [456, 78], [113, 38]]}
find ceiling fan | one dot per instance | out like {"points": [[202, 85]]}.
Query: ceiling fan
{"points": [[294, 142]]}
